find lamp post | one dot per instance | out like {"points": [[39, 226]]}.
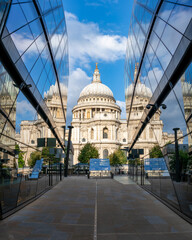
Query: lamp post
{"points": [[177, 163], [152, 105], [64, 128], [67, 156]]}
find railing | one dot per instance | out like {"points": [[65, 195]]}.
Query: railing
{"points": [[163, 184], [17, 189]]}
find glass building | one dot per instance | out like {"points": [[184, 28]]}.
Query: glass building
{"points": [[158, 62], [33, 91]]}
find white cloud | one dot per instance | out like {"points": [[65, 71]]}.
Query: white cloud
{"points": [[78, 79], [27, 47], [24, 107], [153, 77], [122, 105], [23, 42], [87, 43]]}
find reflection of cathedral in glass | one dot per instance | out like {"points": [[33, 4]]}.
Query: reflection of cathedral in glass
{"points": [[31, 65], [7, 110], [186, 82], [31, 130], [96, 119]]}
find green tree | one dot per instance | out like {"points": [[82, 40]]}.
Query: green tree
{"points": [[87, 152], [135, 162], [185, 161], [155, 152], [45, 154], [117, 158], [34, 156], [21, 161]]}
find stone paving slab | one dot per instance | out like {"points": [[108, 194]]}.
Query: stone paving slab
{"points": [[77, 208]]}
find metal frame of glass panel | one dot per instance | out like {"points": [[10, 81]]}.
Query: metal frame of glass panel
{"points": [[19, 77], [178, 64]]}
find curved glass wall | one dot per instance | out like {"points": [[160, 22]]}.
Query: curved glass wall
{"points": [[158, 99], [33, 94]]}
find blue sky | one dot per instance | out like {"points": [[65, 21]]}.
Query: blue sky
{"points": [[97, 32]]}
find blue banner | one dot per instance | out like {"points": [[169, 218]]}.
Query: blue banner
{"points": [[99, 165], [154, 164]]}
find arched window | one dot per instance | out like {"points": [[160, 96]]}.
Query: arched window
{"points": [[105, 153], [105, 132], [92, 133], [88, 114]]}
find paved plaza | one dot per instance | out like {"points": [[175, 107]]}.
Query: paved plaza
{"points": [[104, 209]]}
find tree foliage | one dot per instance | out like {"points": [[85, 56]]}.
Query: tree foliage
{"points": [[33, 158], [117, 158], [155, 152], [185, 161], [45, 154], [135, 162], [87, 152], [21, 161]]}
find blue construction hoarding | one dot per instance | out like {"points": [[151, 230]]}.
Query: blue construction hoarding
{"points": [[99, 165], [155, 164]]}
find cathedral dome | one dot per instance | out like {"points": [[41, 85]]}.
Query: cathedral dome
{"points": [[141, 90], [186, 89], [53, 90], [96, 88]]}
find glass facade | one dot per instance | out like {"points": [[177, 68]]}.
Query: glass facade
{"points": [[158, 64], [33, 94]]}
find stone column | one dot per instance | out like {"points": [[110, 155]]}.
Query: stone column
{"points": [[99, 133], [112, 132], [78, 135]]}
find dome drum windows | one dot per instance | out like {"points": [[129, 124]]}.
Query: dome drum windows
{"points": [[105, 133], [88, 114]]}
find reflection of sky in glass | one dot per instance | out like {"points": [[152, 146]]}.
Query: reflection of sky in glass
{"points": [[173, 115], [188, 74], [31, 44], [164, 38], [170, 23], [24, 111]]}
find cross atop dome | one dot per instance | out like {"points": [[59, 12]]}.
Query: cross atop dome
{"points": [[96, 75]]}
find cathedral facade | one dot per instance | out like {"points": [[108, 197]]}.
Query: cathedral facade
{"points": [[97, 119], [31, 130]]}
